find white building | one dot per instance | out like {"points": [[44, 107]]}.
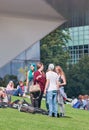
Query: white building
{"points": [[25, 22]]}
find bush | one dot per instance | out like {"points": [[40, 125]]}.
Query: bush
{"points": [[7, 78], [1, 81]]}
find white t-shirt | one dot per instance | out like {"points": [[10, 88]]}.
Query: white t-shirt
{"points": [[53, 78]]}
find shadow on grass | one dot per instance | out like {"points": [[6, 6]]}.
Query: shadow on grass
{"points": [[65, 117]]}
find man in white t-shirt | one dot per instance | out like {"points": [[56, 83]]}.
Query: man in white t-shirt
{"points": [[51, 88]]}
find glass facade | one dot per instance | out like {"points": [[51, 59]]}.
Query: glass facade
{"points": [[78, 46], [31, 55], [78, 26]]}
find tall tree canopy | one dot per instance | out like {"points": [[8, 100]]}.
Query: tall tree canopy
{"points": [[78, 78], [53, 48]]}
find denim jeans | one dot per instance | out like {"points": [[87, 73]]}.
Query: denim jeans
{"points": [[52, 101], [17, 92], [63, 94], [47, 104]]}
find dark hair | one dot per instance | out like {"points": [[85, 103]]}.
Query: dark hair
{"points": [[39, 64], [20, 82]]}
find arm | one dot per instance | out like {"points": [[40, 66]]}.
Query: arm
{"points": [[57, 84], [27, 80], [35, 77], [64, 81], [46, 86], [7, 88], [47, 83]]}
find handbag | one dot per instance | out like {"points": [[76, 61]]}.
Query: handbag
{"points": [[34, 88]]}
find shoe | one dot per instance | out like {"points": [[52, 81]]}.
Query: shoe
{"points": [[61, 115], [69, 100], [58, 115], [19, 107], [53, 115], [20, 103]]}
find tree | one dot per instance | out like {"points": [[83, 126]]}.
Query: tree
{"points": [[7, 78], [78, 78], [53, 48]]}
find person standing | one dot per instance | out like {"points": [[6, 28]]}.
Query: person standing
{"points": [[40, 79], [30, 75], [61, 94], [10, 88], [51, 90]]}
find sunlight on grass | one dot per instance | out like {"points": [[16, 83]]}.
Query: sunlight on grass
{"points": [[12, 119]]}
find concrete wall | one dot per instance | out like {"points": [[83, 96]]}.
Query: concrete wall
{"points": [[17, 34], [31, 55]]}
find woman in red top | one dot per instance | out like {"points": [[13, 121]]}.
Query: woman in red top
{"points": [[39, 78]]}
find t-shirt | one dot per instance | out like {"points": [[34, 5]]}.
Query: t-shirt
{"points": [[53, 78]]}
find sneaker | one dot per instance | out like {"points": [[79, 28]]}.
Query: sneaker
{"points": [[69, 100], [61, 115], [20, 103], [19, 107]]}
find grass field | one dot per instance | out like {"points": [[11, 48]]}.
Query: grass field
{"points": [[11, 119]]}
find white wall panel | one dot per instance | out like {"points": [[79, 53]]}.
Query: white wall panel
{"points": [[17, 34]]}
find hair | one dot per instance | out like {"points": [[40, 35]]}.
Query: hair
{"points": [[20, 82], [60, 70], [39, 64], [51, 67], [86, 96], [80, 97], [11, 82]]}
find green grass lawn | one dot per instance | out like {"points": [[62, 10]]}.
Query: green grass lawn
{"points": [[12, 119]]}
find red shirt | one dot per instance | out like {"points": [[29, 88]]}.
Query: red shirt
{"points": [[41, 81]]}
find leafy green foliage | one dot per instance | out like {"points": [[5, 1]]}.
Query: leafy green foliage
{"points": [[1, 81], [4, 81], [78, 78], [53, 48]]}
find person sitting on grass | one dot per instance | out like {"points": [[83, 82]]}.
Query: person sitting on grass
{"points": [[79, 103], [2, 94], [20, 89], [4, 98], [10, 88], [85, 101]]}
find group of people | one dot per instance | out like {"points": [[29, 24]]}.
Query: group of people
{"points": [[81, 103], [51, 85], [19, 91], [5, 93]]}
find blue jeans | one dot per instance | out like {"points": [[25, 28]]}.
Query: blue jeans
{"points": [[63, 94], [46, 100], [17, 92], [52, 101]]}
